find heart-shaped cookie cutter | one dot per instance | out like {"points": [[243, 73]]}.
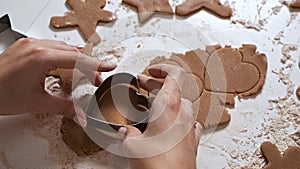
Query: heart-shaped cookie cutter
{"points": [[117, 79]]}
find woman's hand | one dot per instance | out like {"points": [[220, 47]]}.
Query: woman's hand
{"points": [[24, 67], [172, 136]]}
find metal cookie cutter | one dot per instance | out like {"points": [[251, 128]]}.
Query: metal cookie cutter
{"points": [[7, 35], [6, 25], [117, 101]]}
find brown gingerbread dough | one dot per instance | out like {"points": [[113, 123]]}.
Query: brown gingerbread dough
{"points": [[295, 3], [147, 8], [85, 14], [296, 137], [119, 105], [69, 81], [190, 6], [77, 139], [110, 107], [215, 76], [289, 160], [298, 92], [244, 70]]}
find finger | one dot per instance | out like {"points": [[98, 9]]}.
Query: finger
{"points": [[58, 45], [70, 60], [149, 83], [169, 97], [94, 77], [29, 44], [168, 72], [64, 107], [270, 152]]}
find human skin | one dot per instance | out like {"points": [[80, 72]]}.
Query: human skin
{"points": [[24, 67], [177, 114]]}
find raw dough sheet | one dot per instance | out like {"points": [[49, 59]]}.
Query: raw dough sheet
{"points": [[33, 141]]}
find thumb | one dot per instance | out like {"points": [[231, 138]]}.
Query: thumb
{"points": [[67, 108]]}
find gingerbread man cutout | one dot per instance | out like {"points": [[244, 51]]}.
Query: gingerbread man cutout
{"points": [[190, 6], [85, 14], [289, 160]]}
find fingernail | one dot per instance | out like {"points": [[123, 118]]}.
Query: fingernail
{"points": [[153, 67], [113, 63], [142, 78], [80, 121], [198, 126], [122, 130]]}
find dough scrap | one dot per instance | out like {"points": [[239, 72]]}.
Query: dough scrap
{"points": [[85, 15], [298, 92], [71, 77], [191, 6], [290, 159], [296, 137], [243, 69], [76, 139], [295, 4], [147, 8]]}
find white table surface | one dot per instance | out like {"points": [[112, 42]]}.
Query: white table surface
{"points": [[22, 149]]}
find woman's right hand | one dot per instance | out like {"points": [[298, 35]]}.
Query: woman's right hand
{"points": [[172, 136]]}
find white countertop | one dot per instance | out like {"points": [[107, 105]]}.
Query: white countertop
{"points": [[232, 147]]}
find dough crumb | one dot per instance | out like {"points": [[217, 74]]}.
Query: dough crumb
{"points": [[298, 92]]}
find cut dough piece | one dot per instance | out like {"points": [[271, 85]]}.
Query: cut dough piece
{"points": [[192, 88], [76, 139], [147, 8], [290, 158], [67, 78], [296, 137], [250, 55], [238, 71], [193, 63], [190, 6], [209, 106], [71, 77], [298, 92], [295, 3], [212, 111], [86, 15], [243, 74]]}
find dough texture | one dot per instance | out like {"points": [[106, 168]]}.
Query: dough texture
{"points": [[85, 15], [295, 3], [191, 6], [76, 139], [215, 76], [147, 8], [290, 159], [298, 92]]}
